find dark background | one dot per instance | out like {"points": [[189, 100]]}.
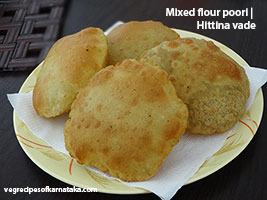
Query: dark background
{"points": [[243, 178]]}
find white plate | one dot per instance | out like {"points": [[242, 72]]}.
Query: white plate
{"points": [[67, 170]]}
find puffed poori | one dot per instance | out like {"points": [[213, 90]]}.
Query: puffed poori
{"points": [[213, 86], [68, 67], [130, 40], [126, 121]]}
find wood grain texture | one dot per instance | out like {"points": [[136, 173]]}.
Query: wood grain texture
{"points": [[243, 178]]}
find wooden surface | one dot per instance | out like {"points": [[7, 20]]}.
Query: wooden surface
{"points": [[28, 28], [243, 178]]}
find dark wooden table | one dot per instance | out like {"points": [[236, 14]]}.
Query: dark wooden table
{"points": [[243, 178]]}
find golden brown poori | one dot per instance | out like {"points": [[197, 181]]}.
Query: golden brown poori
{"points": [[213, 86], [131, 39], [126, 118], [126, 121], [68, 67]]}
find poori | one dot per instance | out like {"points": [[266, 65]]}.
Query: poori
{"points": [[68, 67], [126, 121], [131, 39], [213, 86]]}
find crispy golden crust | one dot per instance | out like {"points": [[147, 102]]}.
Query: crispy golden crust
{"points": [[131, 39], [126, 121], [69, 65], [214, 87]]}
